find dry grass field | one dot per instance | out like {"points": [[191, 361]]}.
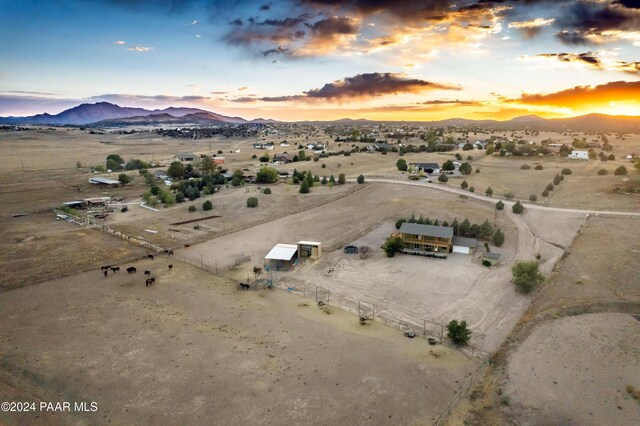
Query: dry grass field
{"points": [[193, 348]]}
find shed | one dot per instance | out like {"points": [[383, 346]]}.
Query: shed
{"points": [[282, 256], [310, 249], [464, 245], [491, 257]]}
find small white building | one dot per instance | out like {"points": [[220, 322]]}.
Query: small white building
{"points": [[579, 155]]}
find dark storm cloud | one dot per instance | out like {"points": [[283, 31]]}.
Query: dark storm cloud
{"points": [[361, 86]]}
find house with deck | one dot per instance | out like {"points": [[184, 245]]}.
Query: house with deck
{"points": [[427, 240]]}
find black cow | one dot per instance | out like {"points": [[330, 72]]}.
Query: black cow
{"points": [[131, 270], [147, 273], [105, 268], [150, 256], [150, 281], [105, 272], [170, 267], [244, 286], [115, 269]]}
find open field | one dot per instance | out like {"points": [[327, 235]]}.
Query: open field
{"points": [[597, 354], [37, 248], [193, 348]]}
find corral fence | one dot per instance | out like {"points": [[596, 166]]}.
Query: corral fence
{"points": [[465, 389]]}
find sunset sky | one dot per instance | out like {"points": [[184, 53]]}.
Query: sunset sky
{"points": [[324, 59]]}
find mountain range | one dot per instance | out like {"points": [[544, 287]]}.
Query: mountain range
{"points": [[105, 114], [110, 114]]}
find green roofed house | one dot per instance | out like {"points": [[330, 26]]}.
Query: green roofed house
{"points": [[426, 240]]}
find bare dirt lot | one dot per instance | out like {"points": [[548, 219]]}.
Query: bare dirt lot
{"points": [[193, 349], [597, 354]]}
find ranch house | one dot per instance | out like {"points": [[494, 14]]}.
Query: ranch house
{"points": [[426, 240]]}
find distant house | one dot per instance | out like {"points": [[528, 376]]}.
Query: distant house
{"points": [[428, 168], [161, 175], [379, 146], [316, 146], [262, 145], [282, 158], [426, 240], [186, 156], [579, 155]]}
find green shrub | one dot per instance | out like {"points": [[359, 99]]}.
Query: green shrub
{"points": [[499, 205], [252, 202], [539, 167], [486, 263], [443, 178], [464, 184], [526, 276], [360, 179], [458, 332], [192, 209], [498, 238], [267, 191], [566, 171], [472, 189], [392, 245], [207, 205], [489, 191], [533, 198], [304, 187], [550, 187], [525, 167], [603, 172], [545, 193], [620, 171], [517, 208]]}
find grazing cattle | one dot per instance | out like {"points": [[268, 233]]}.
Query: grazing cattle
{"points": [[187, 245], [150, 281], [105, 268], [105, 272], [147, 272], [150, 256], [244, 286], [170, 267], [170, 253], [131, 270], [115, 269]]}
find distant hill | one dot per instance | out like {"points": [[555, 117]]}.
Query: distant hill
{"points": [[106, 112]]}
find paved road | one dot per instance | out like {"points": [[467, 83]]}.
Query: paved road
{"points": [[507, 203]]}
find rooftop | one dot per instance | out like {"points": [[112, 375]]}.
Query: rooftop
{"points": [[282, 252], [465, 242], [428, 230]]}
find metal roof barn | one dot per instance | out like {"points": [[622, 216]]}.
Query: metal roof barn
{"points": [[282, 252]]}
